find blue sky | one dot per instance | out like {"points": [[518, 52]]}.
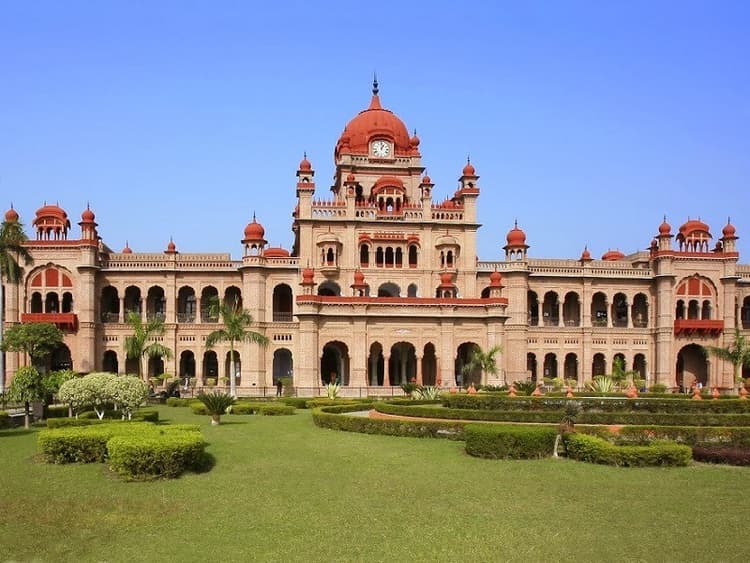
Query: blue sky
{"points": [[587, 121]]}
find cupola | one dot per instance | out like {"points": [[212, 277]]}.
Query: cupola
{"points": [[516, 246], [171, 247], [254, 241], [612, 256], [51, 223], [11, 216]]}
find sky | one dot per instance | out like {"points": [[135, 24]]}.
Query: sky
{"points": [[587, 121]]}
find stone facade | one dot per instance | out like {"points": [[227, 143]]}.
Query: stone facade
{"points": [[383, 286]]}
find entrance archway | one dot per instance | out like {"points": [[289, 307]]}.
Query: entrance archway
{"points": [[376, 365], [109, 361], [429, 365], [692, 365], [402, 365], [334, 364], [283, 364], [463, 357]]}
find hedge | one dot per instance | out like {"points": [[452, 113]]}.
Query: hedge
{"points": [[592, 449], [691, 435], [509, 442], [70, 422], [296, 402], [148, 456], [597, 404], [330, 417], [4, 420], [177, 402], [84, 444], [198, 408], [242, 407], [726, 454], [55, 411], [276, 410], [554, 416]]}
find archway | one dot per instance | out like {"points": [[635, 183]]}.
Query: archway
{"points": [[282, 303], [550, 365], [389, 289], [376, 365], [187, 366], [531, 366], [60, 358], [429, 365], [109, 361], [402, 365], [571, 366], [283, 365], [155, 366], [233, 368], [329, 289], [692, 366], [598, 365], [334, 363], [210, 366], [463, 357]]}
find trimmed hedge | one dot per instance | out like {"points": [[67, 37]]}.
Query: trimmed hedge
{"points": [[592, 449], [149, 456], [70, 422], [736, 436], [177, 402], [324, 402], [594, 404], [55, 411], [277, 410], [509, 442], [726, 455], [83, 444], [198, 408], [330, 417], [241, 407], [296, 402], [554, 416]]}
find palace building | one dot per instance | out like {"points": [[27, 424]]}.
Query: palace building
{"points": [[383, 286]]}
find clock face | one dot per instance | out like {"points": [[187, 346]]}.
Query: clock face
{"points": [[381, 148]]}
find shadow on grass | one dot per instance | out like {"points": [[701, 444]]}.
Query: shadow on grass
{"points": [[15, 432], [205, 464]]}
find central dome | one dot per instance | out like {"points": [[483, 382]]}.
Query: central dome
{"points": [[374, 123]]}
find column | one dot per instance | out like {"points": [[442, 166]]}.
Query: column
{"points": [[419, 370], [386, 370], [121, 316]]}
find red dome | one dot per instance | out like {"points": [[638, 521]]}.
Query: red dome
{"points": [[11, 216], [359, 278], [254, 231], [728, 231], [665, 228], [127, 249], [613, 255], [414, 141], [426, 180], [496, 279], [308, 274], [585, 255], [51, 211], [371, 123], [276, 252], [304, 164], [350, 178], [87, 216], [171, 247], [469, 169], [516, 237], [693, 225]]}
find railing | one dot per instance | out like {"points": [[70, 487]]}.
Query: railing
{"points": [[207, 318], [110, 317], [185, 317], [151, 315], [552, 322], [283, 316]]}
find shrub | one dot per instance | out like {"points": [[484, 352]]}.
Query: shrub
{"points": [[4, 419], [728, 455], [216, 404], [428, 393], [598, 450], [150, 456], [68, 422], [178, 402], [275, 409], [657, 388], [332, 390], [198, 408], [524, 387], [55, 411], [509, 442], [147, 415], [86, 444], [321, 402], [242, 407], [296, 402]]}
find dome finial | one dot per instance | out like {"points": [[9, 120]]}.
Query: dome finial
{"points": [[515, 223], [375, 89], [254, 217]]}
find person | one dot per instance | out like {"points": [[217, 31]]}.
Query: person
{"points": [[279, 387]]}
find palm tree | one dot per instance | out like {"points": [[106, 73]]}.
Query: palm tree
{"points": [[737, 353], [137, 347], [482, 361], [236, 322], [12, 250]]}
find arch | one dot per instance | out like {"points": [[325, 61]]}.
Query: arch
{"points": [[109, 362], [67, 302], [210, 366], [533, 306], [745, 312], [155, 366], [283, 365], [329, 288], [599, 309], [186, 304], [233, 297], [379, 257], [411, 290], [330, 259], [399, 257], [620, 310], [706, 310], [639, 365], [209, 296], [334, 363], [389, 260], [109, 304], [52, 302], [550, 365], [364, 255], [187, 366], [282, 303], [402, 364], [463, 357], [36, 305], [233, 368], [619, 358], [639, 311], [485, 293], [60, 358], [598, 365], [551, 309], [692, 366], [375, 365], [531, 366], [131, 365], [572, 309], [413, 254], [133, 301], [679, 310], [570, 369], [156, 303], [693, 310], [389, 289], [429, 365]]}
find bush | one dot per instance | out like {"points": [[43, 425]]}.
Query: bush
{"points": [[69, 422], [509, 442], [592, 449], [242, 407], [198, 408], [146, 415], [657, 388], [149, 456], [708, 436], [177, 402], [55, 411], [726, 455], [296, 402], [276, 410], [86, 444], [323, 402], [4, 420]]}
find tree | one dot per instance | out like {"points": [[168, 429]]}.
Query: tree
{"points": [[38, 340], [137, 347], [128, 392], [737, 353], [95, 389], [27, 386], [216, 404], [12, 250], [482, 361], [236, 322]]}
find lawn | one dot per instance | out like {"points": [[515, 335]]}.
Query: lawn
{"points": [[283, 490]]}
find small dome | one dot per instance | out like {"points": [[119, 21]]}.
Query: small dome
{"points": [[495, 279], [11, 216], [350, 178], [308, 275], [446, 278], [304, 164], [254, 231], [426, 179], [665, 228], [692, 225], [516, 237], [613, 255], [127, 249], [585, 255], [276, 252], [728, 231], [88, 216], [414, 141], [171, 247], [359, 278], [469, 169]]}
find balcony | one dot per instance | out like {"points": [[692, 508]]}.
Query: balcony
{"points": [[110, 317], [282, 317], [185, 317], [688, 327], [63, 321]]}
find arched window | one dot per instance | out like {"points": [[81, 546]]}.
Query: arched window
{"points": [[399, 257], [413, 256], [640, 311], [209, 297], [533, 301], [110, 305], [571, 310], [379, 257], [550, 365], [36, 302], [329, 288], [282, 303], [551, 309], [598, 365], [411, 291], [571, 366], [156, 303], [389, 289], [706, 310], [233, 297], [389, 257], [620, 310], [186, 305], [599, 309], [364, 255], [531, 366], [52, 303]]}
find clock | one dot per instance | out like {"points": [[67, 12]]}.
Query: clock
{"points": [[381, 149]]}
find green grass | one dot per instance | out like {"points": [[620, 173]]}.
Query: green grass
{"points": [[284, 490]]}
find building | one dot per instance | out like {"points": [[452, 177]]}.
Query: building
{"points": [[383, 286]]}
